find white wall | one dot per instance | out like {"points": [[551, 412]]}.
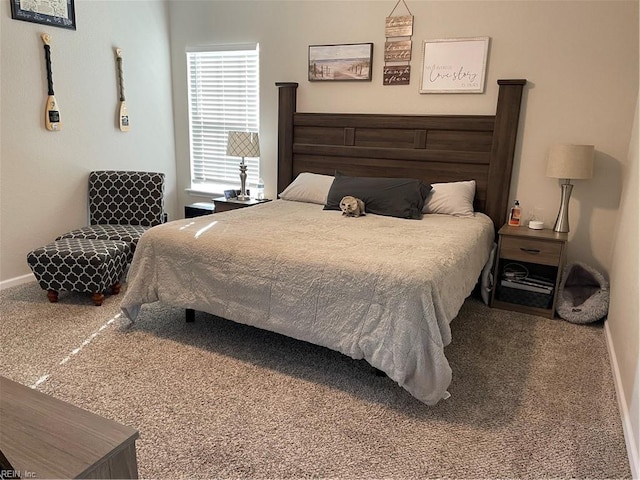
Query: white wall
{"points": [[624, 313], [43, 175]]}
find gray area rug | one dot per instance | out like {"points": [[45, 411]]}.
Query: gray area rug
{"points": [[530, 397]]}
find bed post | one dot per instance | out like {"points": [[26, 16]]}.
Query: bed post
{"points": [[286, 108], [503, 149]]}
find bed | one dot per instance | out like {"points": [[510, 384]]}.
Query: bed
{"points": [[376, 287]]}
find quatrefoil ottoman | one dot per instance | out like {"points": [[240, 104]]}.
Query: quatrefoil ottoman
{"points": [[126, 233], [80, 265]]}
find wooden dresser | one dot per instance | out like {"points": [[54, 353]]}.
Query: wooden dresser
{"points": [[43, 437]]}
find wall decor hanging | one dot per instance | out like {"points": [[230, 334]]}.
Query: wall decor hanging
{"points": [[397, 48], [454, 65], [123, 113], [55, 13], [51, 109], [343, 62]]}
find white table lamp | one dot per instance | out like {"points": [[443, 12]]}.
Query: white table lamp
{"points": [[243, 144], [568, 162]]}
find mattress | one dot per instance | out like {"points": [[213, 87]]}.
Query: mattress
{"points": [[378, 288]]}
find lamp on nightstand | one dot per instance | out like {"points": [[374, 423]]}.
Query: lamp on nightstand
{"points": [[243, 144], [568, 162]]}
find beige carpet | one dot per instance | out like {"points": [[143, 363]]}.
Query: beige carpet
{"points": [[531, 397]]}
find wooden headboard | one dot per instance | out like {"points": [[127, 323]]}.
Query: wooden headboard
{"points": [[433, 148]]}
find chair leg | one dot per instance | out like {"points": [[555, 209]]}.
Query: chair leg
{"points": [[52, 295], [97, 298], [115, 289]]}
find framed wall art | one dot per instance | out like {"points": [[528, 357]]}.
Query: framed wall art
{"points": [[455, 65], [343, 62], [54, 13]]}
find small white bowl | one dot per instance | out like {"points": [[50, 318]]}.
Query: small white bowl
{"points": [[536, 225]]}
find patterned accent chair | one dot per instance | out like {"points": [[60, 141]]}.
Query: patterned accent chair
{"points": [[122, 206]]}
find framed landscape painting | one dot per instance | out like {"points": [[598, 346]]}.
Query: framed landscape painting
{"points": [[344, 62]]}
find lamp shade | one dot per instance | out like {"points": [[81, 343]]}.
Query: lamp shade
{"points": [[243, 144], [570, 161]]}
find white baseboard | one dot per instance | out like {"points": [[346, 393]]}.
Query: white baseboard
{"points": [[12, 282], [627, 427]]}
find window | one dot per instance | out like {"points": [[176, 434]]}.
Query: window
{"points": [[223, 97]]}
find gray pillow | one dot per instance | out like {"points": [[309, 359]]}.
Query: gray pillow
{"points": [[394, 197]]}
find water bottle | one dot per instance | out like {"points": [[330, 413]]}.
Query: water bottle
{"points": [[260, 190]]}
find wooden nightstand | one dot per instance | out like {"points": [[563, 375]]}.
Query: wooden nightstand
{"points": [[539, 253], [222, 204], [198, 209]]}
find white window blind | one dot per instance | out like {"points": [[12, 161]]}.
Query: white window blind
{"points": [[223, 97]]}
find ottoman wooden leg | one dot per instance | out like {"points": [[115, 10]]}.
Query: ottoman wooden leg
{"points": [[97, 298], [52, 295], [115, 289]]}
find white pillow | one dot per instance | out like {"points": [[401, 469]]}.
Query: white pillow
{"points": [[453, 198], [309, 188]]}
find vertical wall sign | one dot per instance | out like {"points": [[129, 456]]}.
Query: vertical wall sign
{"points": [[397, 48]]}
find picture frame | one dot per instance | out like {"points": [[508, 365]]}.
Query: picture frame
{"points": [[63, 14], [340, 62], [454, 65]]}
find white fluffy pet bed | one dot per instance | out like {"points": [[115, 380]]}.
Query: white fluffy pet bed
{"points": [[583, 294]]}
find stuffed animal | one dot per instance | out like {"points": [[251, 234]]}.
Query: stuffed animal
{"points": [[352, 206]]}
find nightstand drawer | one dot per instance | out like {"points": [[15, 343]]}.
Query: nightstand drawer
{"points": [[528, 250]]}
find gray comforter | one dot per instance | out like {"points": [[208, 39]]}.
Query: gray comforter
{"points": [[379, 288]]}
